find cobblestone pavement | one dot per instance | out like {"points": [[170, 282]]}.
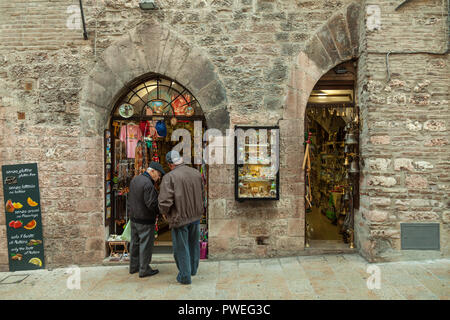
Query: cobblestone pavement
{"points": [[306, 277]]}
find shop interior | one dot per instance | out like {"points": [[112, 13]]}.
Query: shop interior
{"points": [[140, 131], [331, 160]]}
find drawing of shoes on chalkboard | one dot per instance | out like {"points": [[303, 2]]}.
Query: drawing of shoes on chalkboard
{"points": [[31, 203]]}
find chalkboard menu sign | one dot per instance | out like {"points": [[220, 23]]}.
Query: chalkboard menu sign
{"points": [[23, 217]]}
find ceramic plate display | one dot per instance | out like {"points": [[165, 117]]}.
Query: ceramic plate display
{"points": [[126, 110], [156, 106], [189, 111]]}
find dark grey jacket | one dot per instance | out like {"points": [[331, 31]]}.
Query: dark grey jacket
{"points": [[143, 200], [181, 196]]}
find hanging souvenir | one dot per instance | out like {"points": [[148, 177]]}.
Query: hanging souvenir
{"points": [[155, 157], [145, 129], [161, 128], [173, 122], [189, 111], [180, 104], [148, 111]]}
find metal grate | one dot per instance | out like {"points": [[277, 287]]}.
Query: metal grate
{"points": [[420, 236]]}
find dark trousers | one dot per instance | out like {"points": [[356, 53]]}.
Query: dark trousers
{"points": [[141, 247], [186, 250]]}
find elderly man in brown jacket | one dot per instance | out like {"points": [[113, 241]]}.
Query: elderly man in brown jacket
{"points": [[181, 203]]}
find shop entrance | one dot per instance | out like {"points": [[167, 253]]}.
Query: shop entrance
{"points": [[331, 160], [141, 127]]}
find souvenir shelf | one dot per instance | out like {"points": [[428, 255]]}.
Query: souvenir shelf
{"points": [[256, 164]]}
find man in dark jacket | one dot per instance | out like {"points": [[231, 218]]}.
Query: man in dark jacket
{"points": [[143, 208], [181, 203]]}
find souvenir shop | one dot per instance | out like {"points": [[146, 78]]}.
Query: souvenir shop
{"points": [[331, 160], [141, 128]]}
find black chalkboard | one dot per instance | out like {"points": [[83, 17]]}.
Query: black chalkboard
{"points": [[23, 217]]}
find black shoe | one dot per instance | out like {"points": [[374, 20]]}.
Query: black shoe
{"points": [[149, 273], [134, 271]]}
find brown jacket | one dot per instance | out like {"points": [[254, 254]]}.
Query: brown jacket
{"points": [[181, 196]]}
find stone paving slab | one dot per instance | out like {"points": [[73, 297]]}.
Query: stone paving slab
{"points": [[341, 277]]}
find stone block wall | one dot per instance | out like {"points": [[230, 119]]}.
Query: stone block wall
{"points": [[262, 58], [404, 140]]}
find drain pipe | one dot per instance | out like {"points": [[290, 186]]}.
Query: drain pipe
{"points": [[82, 19]]}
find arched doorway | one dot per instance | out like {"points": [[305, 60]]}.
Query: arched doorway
{"points": [[332, 156], [335, 42], [141, 124], [146, 51]]}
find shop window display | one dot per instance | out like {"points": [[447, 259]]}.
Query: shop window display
{"points": [[256, 163], [141, 128]]}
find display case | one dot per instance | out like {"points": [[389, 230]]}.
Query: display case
{"points": [[257, 163]]}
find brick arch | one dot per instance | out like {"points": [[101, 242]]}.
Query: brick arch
{"points": [[150, 48], [336, 41]]}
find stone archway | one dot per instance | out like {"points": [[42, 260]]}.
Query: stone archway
{"points": [[335, 42], [150, 48]]}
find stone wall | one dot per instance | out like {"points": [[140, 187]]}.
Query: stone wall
{"points": [[262, 55], [404, 139]]}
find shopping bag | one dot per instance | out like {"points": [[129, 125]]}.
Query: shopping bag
{"points": [[126, 235]]}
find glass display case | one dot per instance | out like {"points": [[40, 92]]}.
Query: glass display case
{"points": [[256, 163]]}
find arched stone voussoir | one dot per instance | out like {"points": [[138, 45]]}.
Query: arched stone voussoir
{"points": [[104, 76], [317, 53], [123, 60], [325, 36], [170, 45], [218, 118], [337, 40], [197, 71], [338, 28], [93, 119], [148, 38], [94, 93], [178, 56], [211, 96], [353, 16]]}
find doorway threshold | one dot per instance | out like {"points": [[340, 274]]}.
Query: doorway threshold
{"points": [[157, 258], [328, 247]]}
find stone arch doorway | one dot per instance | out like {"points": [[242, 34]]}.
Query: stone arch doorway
{"points": [[337, 41], [332, 171], [135, 138], [148, 49]]}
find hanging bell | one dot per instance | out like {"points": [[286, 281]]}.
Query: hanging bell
{"points": [[346, 161], [353, 167], [350, 139], [346, 196], [346, 149]]}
